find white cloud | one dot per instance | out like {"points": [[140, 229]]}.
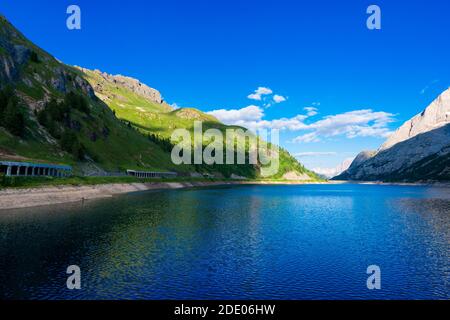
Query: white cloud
{"points": [[261, 91], [314, 154], [311, 111], [291, 124], [254, 96], [278, 98], [251, 117], [359, 123], [307, 138], [248, 114]]}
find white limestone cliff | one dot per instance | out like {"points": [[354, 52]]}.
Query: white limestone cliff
{"points": [[436, 115], [130, 83], [414, 145]]}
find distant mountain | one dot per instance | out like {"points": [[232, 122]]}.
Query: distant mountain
{"points": [[329, 173], [418, 151], [94, 121], [436, 115]]}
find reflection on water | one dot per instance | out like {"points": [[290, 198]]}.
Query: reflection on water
{"points": [[249, 242]]}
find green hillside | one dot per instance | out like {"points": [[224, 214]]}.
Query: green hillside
{"points": [[148, 116], [160, 119], [108, 143], [74, 116]]}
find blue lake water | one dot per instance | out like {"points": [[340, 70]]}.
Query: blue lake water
{"points": [[244, 242]]}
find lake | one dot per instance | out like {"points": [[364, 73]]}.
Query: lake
{"points": [[238, 242]]}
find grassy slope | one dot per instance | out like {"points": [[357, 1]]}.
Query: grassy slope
{"points": [[123, 147], [151, 117], [148, 116]]}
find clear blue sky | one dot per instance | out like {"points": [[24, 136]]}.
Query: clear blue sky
{"points": [[213, 54]]}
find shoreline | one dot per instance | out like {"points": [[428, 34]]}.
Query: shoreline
{"points": [[22, 198]]}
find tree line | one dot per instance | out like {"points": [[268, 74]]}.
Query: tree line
{"points": [[56, 118]]}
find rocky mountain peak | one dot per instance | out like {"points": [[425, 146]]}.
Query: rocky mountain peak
{"points": [[436, 115], [132, 84], [360, 158], [418, 151]]}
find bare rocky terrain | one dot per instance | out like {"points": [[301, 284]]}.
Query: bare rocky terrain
{"points": [[418, 151], [130, 83]]}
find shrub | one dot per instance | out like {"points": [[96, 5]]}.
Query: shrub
{"points": [[6, 181], [50, 116], [76, 101], [34, 57], [6, 95], [70, 143], [164, 143]]}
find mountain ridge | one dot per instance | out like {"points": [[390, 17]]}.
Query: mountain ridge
{"points": [[119, 122], [131, 83], [437, 114], [421, 144]]}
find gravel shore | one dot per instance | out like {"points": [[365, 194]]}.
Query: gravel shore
{"points": [[34, 197]]}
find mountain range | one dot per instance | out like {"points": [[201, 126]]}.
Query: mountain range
{"points": [[418, 151], [94, 121], [101, 123]]}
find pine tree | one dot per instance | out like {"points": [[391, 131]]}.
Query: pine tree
{"points": [[6, 95], [34, 57], [76, 101], [13, 119], [70, 143]]}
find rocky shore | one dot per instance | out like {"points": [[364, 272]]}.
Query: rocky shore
{"points": [[43, 196], [34, 197]]}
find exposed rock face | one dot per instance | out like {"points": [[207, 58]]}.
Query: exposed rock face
{"points": [[7, 69], [394, 163], [15, 58], [360, 159], [363, 156], [189, 114], [194, 114], [435, 116], [416, 150], [11, 62], [12, 54], [59, 81], [130, 83], [83, 85]]}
